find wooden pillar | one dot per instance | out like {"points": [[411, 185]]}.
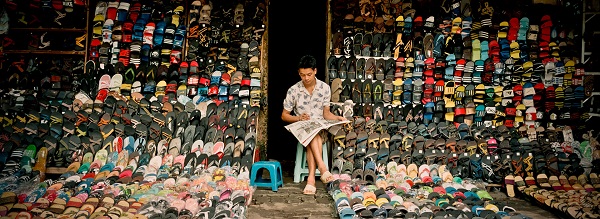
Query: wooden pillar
{"points": [[263, 118], [329, 37]]}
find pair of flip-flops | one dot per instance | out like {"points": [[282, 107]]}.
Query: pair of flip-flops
{"points": [[309, 189]]}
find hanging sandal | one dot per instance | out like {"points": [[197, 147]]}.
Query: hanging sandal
{"points": [[528, 165], [517, 165]]}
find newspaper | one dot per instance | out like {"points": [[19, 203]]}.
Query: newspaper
{"points": [[306, 130]]}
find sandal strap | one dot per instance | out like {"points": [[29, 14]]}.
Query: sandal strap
{"points": [[103, 122], [105, 135], [18, 130], [518, 166], [529, 167], [489, 169]]}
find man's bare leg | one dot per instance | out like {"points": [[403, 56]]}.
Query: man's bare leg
{"points": [[316, 145], [311, 165]]}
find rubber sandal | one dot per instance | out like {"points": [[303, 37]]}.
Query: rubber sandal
{"points": [[509, 182], [309, 190]]}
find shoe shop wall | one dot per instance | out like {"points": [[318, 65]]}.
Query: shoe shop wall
{"points": [[295, 28]]}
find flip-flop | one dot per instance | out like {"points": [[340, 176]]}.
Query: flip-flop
{"points": [[338, 165], [412, 170], [309, 190], [327, 177], [509, 182]]}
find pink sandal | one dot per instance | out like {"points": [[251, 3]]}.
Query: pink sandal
{"points": [[309, 189], [191, 206]]}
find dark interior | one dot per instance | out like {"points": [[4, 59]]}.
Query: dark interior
{"points": [[295, 28]]}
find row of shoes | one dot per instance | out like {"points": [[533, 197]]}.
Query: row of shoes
{"points": [[93, 191], [223, 30], [42, 73], [519, 41], [133, 32], [427, 196], [460, 71], [47, 13], [372, 28], [71, 129], [434, 85], [363, 149], [177, 83], [137, 33], [55, 41], [574, 196], [432, 114]]}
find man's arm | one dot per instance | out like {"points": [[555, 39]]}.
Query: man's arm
{"points": [[286, 116], [288, 105], [329, 116]]}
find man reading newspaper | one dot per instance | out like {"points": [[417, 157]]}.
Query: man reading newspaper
{"points": [[309, 101]]}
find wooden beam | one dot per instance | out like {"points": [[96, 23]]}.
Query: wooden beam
{"points": [[56, 170], [263, 119], [328, 41]]}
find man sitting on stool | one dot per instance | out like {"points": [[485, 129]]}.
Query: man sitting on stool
{"points": [[309, 99]]}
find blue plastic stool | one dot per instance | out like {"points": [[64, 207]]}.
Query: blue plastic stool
{"points": [[274, 168], [301, 166]]}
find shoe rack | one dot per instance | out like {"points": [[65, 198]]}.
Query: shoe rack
{"points": [[589, 17], [81, 33], [587, 22]]}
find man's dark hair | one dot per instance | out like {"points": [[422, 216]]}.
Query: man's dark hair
{"points": [[307, 61]]}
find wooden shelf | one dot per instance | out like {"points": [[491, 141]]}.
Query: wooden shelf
{"points": [[50, 29], [48, 52], [56, 170]]}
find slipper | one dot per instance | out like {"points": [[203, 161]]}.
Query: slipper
{"points": [[476, 52], [412, 170], [438, 44], [327, 177], [309, 190], [509, 183], [338, 165]]}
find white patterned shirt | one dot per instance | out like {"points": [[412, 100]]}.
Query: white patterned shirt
{"points": [[299, 101]]}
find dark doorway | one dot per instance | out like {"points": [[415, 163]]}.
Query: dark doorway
{"points": [[295, 28]]}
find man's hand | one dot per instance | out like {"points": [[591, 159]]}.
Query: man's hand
{"points": [[304, 116], [341, 118]]}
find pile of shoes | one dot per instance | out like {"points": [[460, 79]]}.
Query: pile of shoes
{"points": [[572, 194], [159, 42], [151, 33], [42, 73], [458, 69], [225, 38], [74, 196], [388, 158], [145, 132], [417, 194], [127, 146], [486, 101], [363, 148]]}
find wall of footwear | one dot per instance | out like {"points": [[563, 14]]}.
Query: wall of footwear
{"points": [[449, 99], [145, 109]]}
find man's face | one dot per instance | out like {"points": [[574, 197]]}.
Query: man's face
{"points": [[307, 75]]}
